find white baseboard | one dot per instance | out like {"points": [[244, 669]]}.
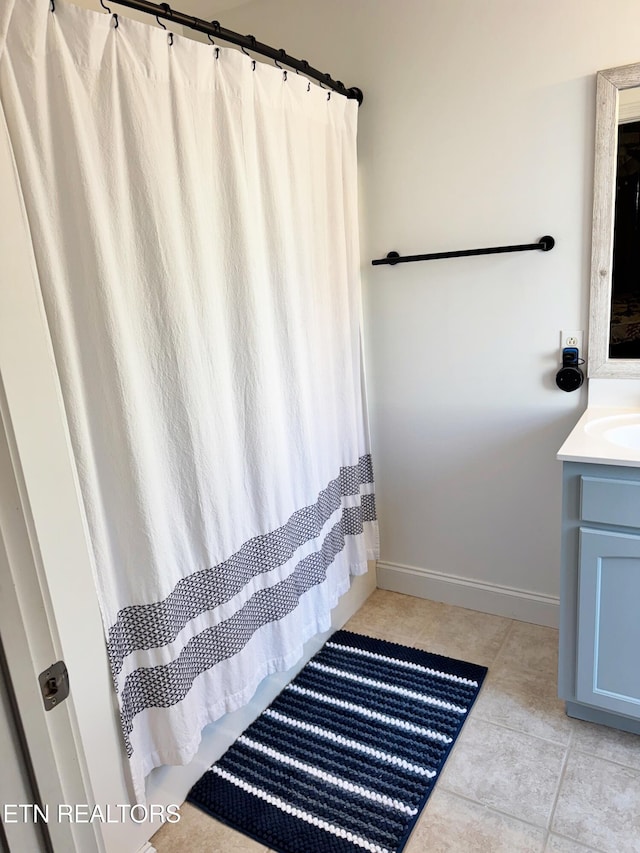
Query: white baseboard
{"points": [[472, 594], [147, 848]]}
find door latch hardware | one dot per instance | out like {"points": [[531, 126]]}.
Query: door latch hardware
{"points": [[54, 685]]}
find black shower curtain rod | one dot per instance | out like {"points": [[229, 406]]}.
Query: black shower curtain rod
{"points": [[213, 29]]}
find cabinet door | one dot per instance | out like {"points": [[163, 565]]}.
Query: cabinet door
{"points": [[608, 673]]}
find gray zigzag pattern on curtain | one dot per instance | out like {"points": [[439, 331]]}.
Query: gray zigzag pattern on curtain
{"points": [[149, 626], [163, 686]]}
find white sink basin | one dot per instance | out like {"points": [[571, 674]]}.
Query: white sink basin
{"points": [[624, 436], [605, 435], [621, 430]]}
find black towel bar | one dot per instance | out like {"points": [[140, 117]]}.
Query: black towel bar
{"points": [[545, 244]]}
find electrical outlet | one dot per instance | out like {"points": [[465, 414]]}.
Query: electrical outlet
{"points": [[572, 339]]}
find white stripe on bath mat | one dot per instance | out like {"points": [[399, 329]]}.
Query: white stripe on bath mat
{"points": [[390, 688], [395, 760], [372, 715], [328, 778], [299, 813], [458, 679]]}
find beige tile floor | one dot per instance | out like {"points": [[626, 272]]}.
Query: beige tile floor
{"points": [[522, 777]]}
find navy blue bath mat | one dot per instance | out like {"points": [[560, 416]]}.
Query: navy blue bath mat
{"points": [[346, 756]]}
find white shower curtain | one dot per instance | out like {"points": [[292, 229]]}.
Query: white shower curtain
{"points": [[194, 226]]}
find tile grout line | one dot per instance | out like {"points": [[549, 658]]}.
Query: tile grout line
{"points": [[547, 836], [522, 732], [588, 847], [507, 634], [575, 746], [563, 769], [495, 810], [588, 754], [515, 622]]}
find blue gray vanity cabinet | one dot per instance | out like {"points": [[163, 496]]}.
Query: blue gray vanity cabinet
{"points": [[599, 669]]}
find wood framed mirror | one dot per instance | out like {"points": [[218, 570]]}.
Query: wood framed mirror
{"points": [[614, 314]]}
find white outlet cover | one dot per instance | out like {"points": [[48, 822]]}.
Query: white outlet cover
{"points": [[572, 339]]}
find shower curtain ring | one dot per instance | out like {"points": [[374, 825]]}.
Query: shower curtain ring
{"points": [[52, 5], [106, 8], [160, 24], [252, 40], [170, 39]]}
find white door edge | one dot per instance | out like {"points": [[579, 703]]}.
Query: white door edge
{"points": [[50, 564], [27, 642]]}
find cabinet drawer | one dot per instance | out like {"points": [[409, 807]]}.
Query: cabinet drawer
{"points": [[610, 501]]}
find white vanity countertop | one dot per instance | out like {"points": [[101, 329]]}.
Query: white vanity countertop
{"points": [[605, 435]]}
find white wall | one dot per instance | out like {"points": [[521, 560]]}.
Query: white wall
{"points": [[476, 130]]}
